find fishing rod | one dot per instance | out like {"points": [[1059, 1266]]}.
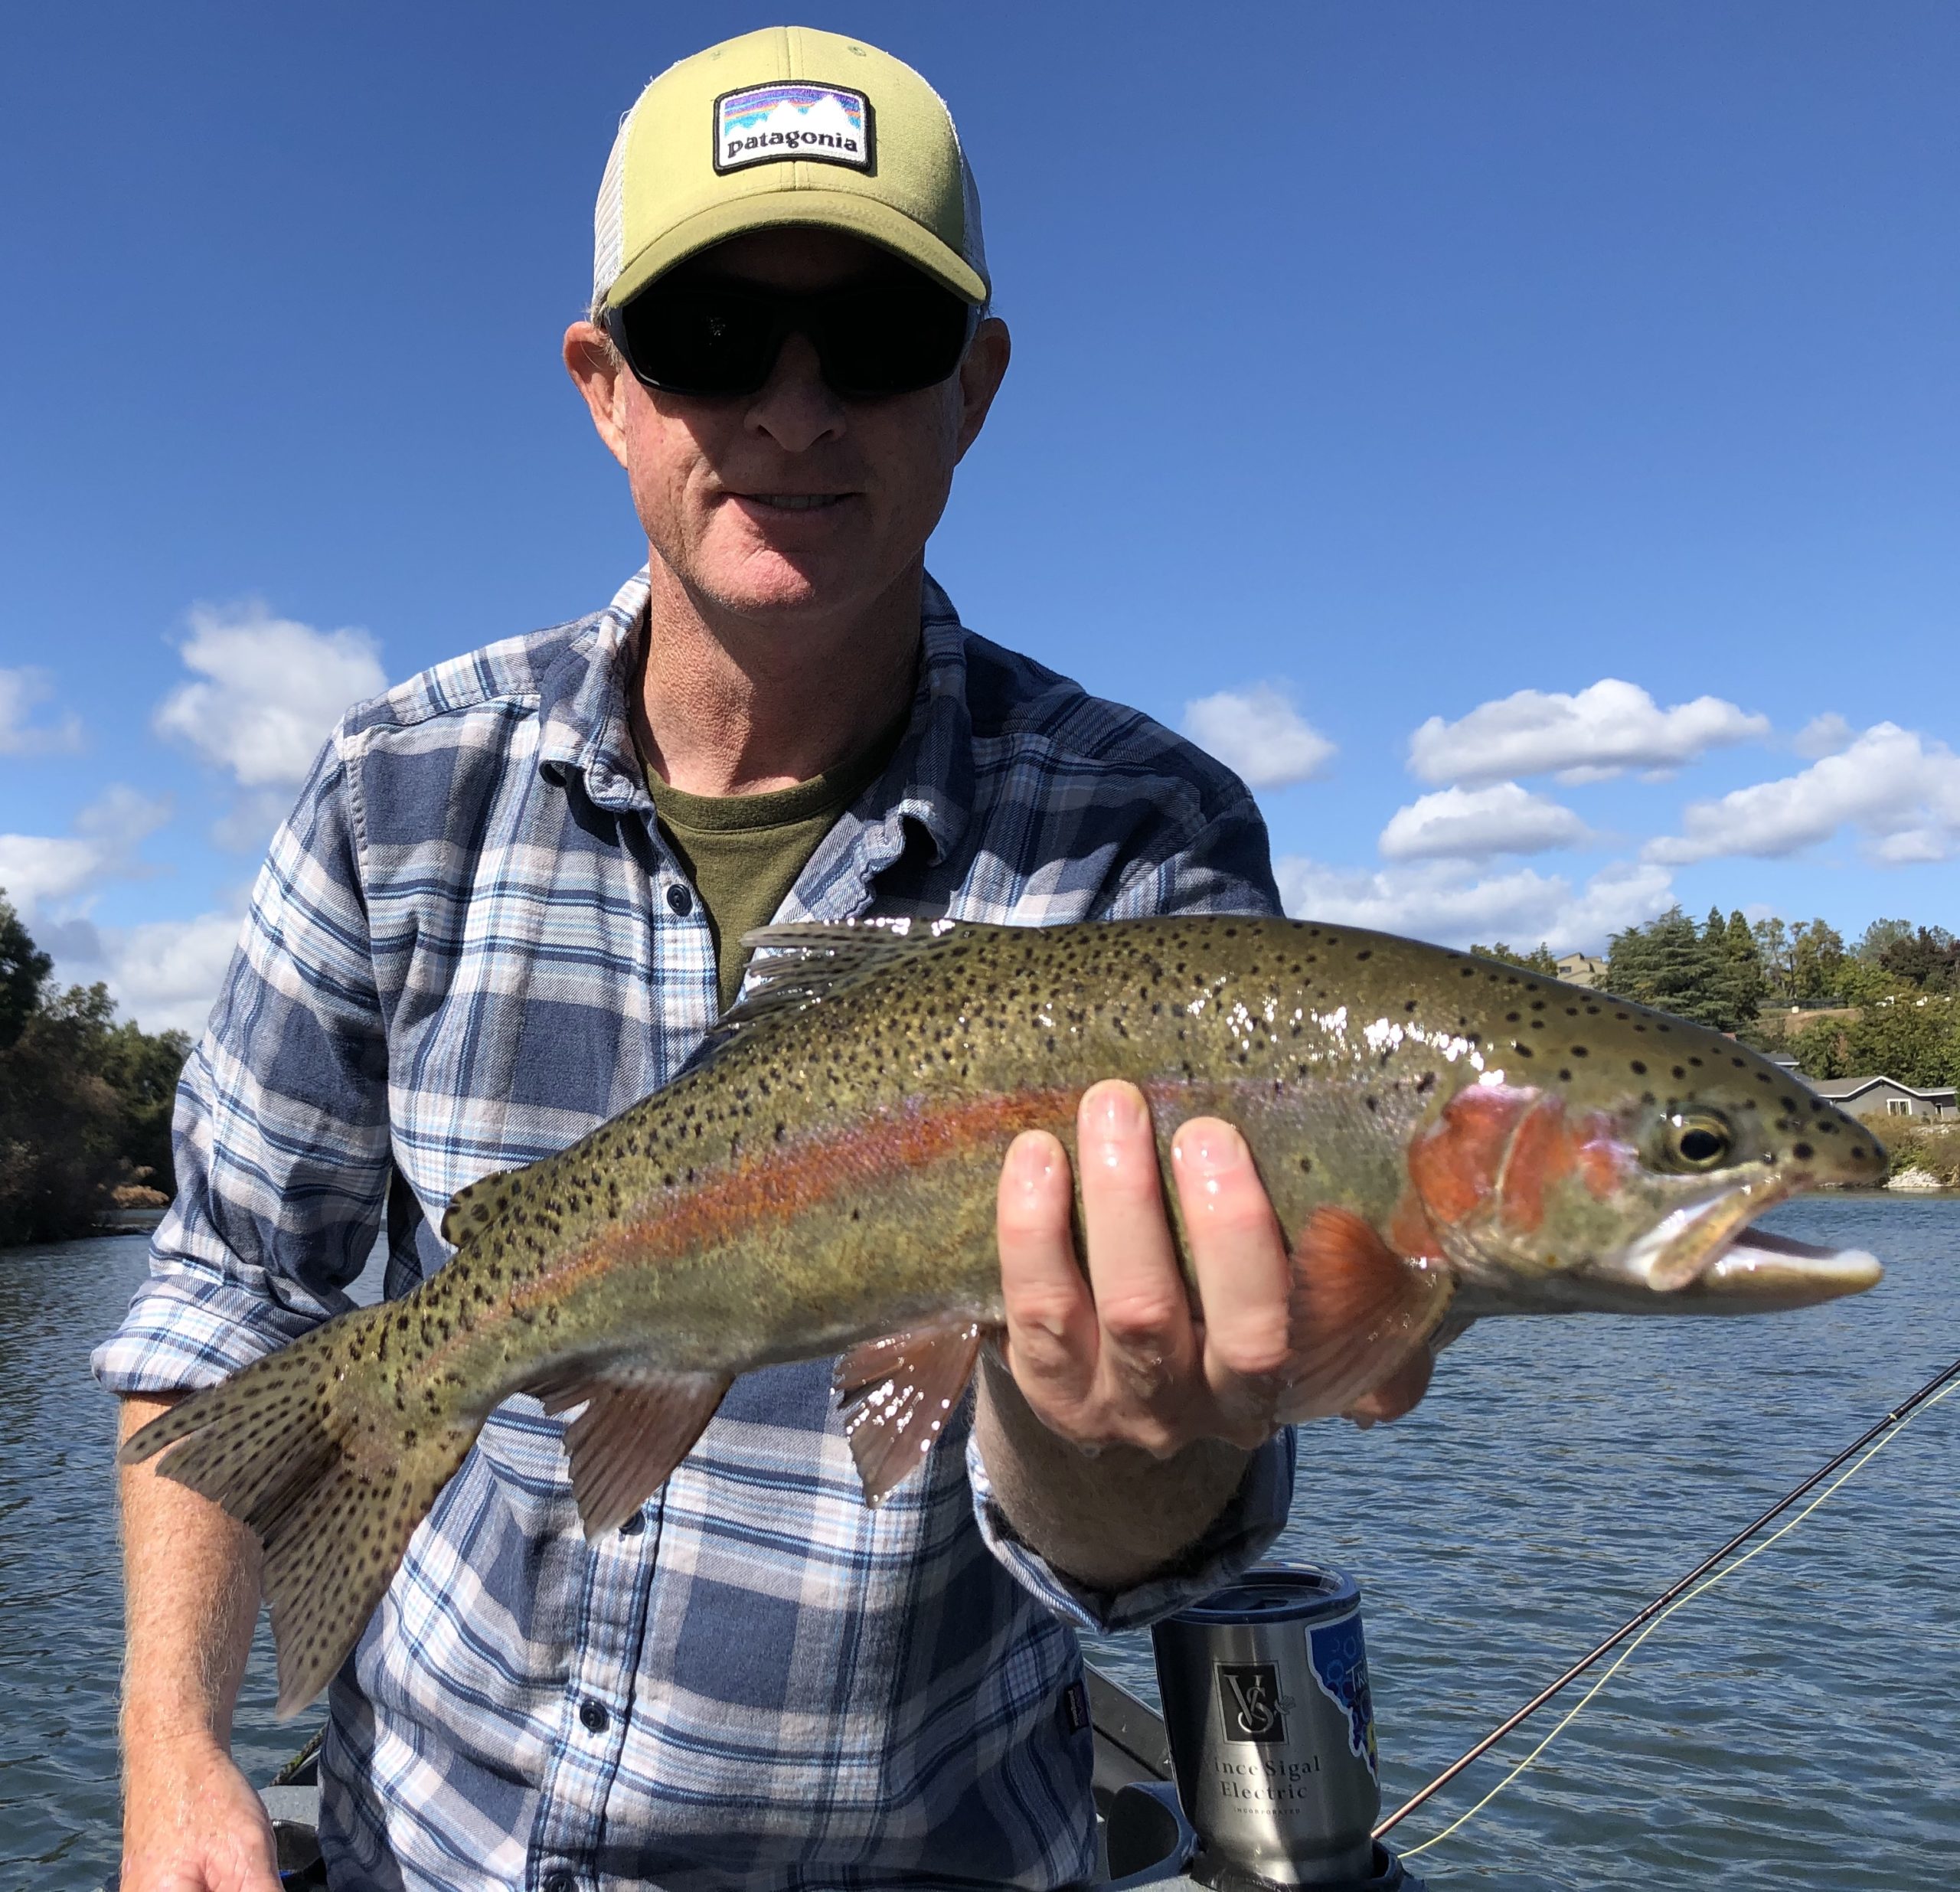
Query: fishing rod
{"points": [[1667, 1596]]}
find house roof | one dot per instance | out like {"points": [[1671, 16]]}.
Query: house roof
{"points": [[1842, 1089]]}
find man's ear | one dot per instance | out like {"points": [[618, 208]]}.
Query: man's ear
{"points": [[982, 370], [595, 367]]}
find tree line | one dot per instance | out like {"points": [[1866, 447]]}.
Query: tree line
{"points": [[85, 1101], [1886, 1005]]}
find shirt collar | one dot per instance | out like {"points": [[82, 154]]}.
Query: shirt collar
{"points": [[930, 779], [582, 705]]}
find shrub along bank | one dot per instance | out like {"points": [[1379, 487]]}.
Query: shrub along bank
{"points": [[1932, 1148]]}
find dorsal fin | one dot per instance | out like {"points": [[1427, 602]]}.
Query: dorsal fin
{"points": [[476, 1204], [804, 963]]}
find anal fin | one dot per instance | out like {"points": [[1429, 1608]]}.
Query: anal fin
{"points": [[638, 1424], [897, 1394], [1359, 1313]]}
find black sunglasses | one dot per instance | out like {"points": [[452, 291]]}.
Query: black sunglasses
{"points": [[714, 339]]}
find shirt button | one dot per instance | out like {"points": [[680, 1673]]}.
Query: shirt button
{"points": [[680, 899], [593, 1714], [634, 1525], [560, 1881]]}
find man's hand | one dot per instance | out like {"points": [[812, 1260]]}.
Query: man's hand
{"points": [[1120, 1358], [191, 1823]]}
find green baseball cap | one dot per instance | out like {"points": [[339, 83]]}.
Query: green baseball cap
{"points": [[786, 125]]}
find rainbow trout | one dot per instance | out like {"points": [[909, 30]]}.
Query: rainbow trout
{"points": [[1442, 1138]]}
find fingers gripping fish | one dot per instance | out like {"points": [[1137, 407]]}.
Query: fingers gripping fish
{"points": [[1443, 1139]]}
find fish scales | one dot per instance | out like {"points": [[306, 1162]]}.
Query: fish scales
{"points": [[1441, 1136]]}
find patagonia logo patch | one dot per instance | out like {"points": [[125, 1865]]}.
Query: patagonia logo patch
{"points": [[792, 120]]}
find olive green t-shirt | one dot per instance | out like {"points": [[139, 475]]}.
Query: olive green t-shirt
{"points": [[744, 852]]}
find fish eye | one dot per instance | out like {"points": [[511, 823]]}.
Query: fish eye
{"points": [[1696, 1140]]}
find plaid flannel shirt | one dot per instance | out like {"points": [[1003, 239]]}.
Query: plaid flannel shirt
{"points": [[468, 947]]}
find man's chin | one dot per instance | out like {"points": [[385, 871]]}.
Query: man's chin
{"points": [[766, 582]]}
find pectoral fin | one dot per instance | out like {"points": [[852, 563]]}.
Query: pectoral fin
{"points": [[897, 1394], [1360, 1313]]}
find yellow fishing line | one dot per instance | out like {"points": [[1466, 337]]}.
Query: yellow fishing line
{"points": [[1707, 1583]]}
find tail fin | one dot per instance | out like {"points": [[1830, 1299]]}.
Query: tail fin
{"points": [[306, 1447]]}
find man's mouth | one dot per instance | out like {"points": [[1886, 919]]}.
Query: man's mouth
{"points": [[794, 502]]}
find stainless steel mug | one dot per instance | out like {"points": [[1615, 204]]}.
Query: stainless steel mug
{"points": [[1273, 1735]]}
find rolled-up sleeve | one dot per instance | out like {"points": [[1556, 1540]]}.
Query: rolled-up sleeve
{"points": [[280, 1134], [1237, 1538]]}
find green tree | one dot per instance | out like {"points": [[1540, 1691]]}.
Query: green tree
{"points": [[85, 1104], [1772, 954], [1914, 1038], [1927, 957], [1668, 964], [1817, 960], [59, 1126], [142, 1068], [1820, 1050], [1871, 945], [1539, 959], [24, 970], [1917, 1041], [1740, 983]]}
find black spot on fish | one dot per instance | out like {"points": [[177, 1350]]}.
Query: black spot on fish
{"points": [[1565, 1077]]}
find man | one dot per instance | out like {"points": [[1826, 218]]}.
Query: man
{"points": [[510, 902]]}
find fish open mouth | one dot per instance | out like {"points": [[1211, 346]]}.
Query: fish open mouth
{"points": [[1773, 1271], [1711, 1252]]}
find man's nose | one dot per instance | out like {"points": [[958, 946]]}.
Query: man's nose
{"points": [[795, 409]]}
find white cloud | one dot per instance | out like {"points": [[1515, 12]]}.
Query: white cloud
{"points": [[271, 690], [1824, 735], [1258, 734], [1452, 905], [163, 974], [1899, 789], [166, 974], [1610, 727], [1474, 824], [20, 691], [43, 872]]}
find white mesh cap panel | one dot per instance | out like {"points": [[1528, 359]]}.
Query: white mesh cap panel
{"points": [[975, 245], [608, 216]]}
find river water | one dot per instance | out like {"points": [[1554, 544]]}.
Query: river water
{"points": [[1799, 1727]]}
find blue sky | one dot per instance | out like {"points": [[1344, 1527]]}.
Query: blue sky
{"points": [[1377, 360]]}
